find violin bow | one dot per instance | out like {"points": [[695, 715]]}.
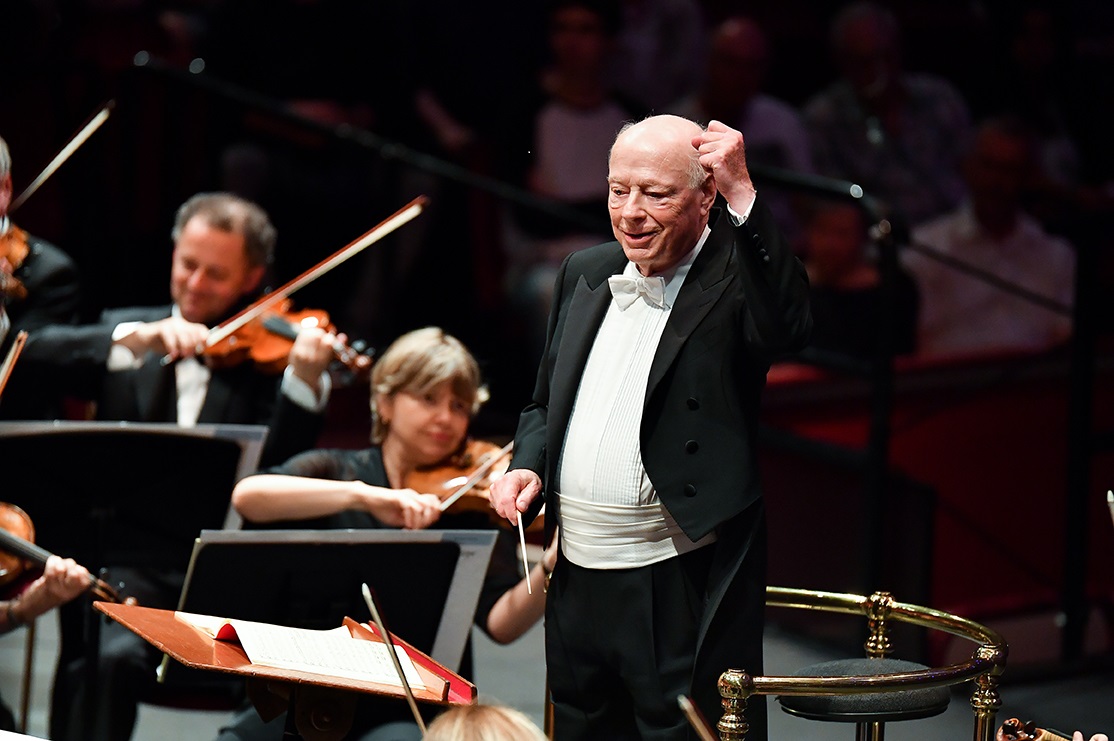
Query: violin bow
{"points": [[373, 235], [387, 639], [9, 360], [476, 476], [78, 139]]}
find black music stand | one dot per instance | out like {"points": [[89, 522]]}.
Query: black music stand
{"points": [[122, 494], [427, 581]]}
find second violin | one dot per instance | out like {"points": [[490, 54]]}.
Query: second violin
{"points": [[463, 483]]}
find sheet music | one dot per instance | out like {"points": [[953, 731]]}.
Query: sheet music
{"points": [[330, 652]]}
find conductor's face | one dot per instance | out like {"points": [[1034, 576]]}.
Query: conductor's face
{"points": [[210, 272], [657, 212]]}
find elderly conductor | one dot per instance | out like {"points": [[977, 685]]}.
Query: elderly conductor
{"points": [[640, 437]]}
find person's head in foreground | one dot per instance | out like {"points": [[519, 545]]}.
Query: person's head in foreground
{"points": [[482, 722]]}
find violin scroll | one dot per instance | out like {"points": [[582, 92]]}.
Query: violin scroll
{"points": [[14, 521], [1014, 730], [13, 251]]}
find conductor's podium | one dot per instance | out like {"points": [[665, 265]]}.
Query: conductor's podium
{"points": [[973, 518]]}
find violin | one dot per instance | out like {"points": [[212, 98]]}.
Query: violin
{"points": [[13, 244], [13, 251], [277, 302], [266, 341], [19, 555], [463, 483], [1014, 730]]}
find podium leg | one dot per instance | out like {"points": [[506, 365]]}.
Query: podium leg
{"points": [[322, 713], [313, 713], [290, 729]]}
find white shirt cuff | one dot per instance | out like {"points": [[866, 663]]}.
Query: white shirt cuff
{"points": [[119, 357], [302, 394], [736, 218]]}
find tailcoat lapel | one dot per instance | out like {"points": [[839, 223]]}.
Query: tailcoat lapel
{"points": [[703, 286]]}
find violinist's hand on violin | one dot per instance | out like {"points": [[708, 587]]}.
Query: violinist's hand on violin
{"points": [[1078, 736], [172, 336], [311, 354], [61, 581], [514, 491], [403, 508]]}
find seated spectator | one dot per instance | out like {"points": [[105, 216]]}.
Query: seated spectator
{"points": [[846, 288], [966, 313], [660, 49], [567, 132], [732, 92], [898, 134]]}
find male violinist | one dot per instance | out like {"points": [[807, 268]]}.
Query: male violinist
{"points": [[38, 286], [222, 246]]}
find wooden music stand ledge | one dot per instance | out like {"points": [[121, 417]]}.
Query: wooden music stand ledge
{"points": [[319, 707]]}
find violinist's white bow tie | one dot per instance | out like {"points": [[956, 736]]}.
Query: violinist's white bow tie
{"points": [[626, 289]]}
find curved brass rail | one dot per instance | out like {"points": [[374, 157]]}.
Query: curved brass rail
{"points": [[987, 661]]}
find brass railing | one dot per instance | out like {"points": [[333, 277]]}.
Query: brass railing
{"points": [[987, 661]]}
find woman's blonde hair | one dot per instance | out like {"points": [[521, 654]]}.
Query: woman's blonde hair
{"points": [[482, 722], [417, 362]]}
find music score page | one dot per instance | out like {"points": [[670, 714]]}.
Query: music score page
{"points": [[329, 652]]}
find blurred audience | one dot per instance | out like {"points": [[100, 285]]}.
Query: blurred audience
{"points": [[990, 232], [846, 287], [733, 91], [660, 47], [1031, 78], [898, 134], [561, 135]]}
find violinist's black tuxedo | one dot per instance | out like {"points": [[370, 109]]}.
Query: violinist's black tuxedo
{"points": [[53, 297], [236, 395], [743, 303]]}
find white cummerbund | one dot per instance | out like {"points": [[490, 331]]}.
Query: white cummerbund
{"points": [[621, 536]]}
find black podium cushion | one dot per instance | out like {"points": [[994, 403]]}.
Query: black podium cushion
{"points": [[908, 704]]}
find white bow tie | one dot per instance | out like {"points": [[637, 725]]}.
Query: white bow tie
{"points": [[626, 289]]}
